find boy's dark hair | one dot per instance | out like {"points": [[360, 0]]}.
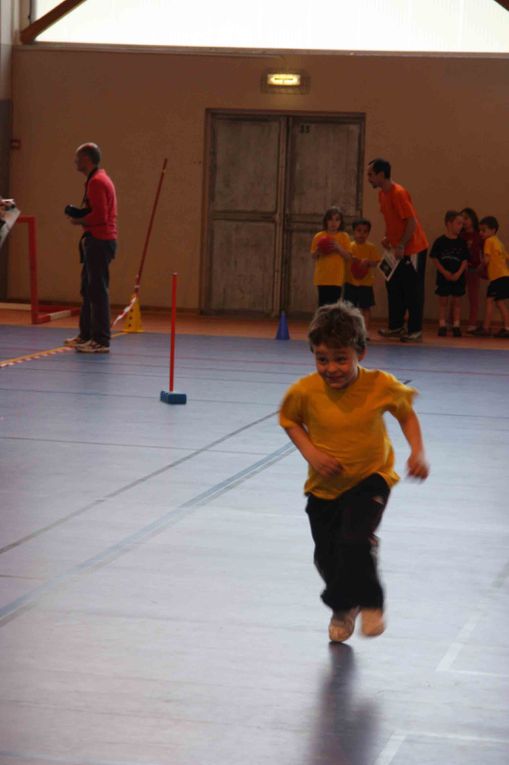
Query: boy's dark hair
{"points": [[338, 325], [490, 221], [90, 150], [330, 213], [380, 165], [451, 215], [361, 222], [472, 215]]}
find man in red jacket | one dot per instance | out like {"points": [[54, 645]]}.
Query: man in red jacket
{"points": [[98, 218]]}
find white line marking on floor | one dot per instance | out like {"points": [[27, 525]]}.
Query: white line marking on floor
{"points": [[391, 749]]}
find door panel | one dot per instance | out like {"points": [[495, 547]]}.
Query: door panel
{"points": [[246, 159], [243, 239], [301, 292], [324, 167], [242, 266]]}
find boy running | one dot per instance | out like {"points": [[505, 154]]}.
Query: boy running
{"points": [[335, 418]]}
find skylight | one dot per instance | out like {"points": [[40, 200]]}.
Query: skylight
{"points": [[444, 26]]}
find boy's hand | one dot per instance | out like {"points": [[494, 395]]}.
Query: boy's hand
{"points": [[417, 466], [324, 464]]}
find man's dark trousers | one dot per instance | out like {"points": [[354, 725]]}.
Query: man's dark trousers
{"points": [[96, 256], [405, 292]]}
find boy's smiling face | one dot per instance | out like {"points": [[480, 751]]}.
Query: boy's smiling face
{"points": [[339, 367]]}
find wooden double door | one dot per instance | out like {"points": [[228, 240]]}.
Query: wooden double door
{"points": [[270, 177]]}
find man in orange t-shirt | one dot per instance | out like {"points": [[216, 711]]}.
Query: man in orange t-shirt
{"points": [[406, 239]]}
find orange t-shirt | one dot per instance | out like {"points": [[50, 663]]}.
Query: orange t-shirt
{"points": [[396, 206]]}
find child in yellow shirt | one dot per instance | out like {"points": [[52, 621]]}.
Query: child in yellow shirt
{"points": [[360, 276], [496, 260], [335, 419], [330, 249]]}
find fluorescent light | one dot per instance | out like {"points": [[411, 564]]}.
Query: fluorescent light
{"points": [[283, 79]]}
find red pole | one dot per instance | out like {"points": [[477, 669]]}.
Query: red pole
{"points": [[172, 334], [149, 231]]}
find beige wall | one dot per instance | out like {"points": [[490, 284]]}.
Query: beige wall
{"points": [[442, 123]]}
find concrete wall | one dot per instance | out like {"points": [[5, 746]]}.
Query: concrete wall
{"points": [[441, 121]]}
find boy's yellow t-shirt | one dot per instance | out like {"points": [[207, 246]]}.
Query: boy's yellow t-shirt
{"points": [[366, 251], [330, 269], [495, 254], [349, 425]]}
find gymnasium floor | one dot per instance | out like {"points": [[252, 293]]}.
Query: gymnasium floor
{"points": [[159, 605]]}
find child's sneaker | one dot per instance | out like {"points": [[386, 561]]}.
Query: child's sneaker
{"points": [[502, 332], [372, 621], [442, 332], [72, 342], [456, 332], [481, 332], [342, 625]]}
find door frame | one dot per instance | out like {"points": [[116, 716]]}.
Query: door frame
{"points": [[283, 175]]}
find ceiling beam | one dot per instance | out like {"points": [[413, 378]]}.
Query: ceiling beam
{"points": [[30, 33]]}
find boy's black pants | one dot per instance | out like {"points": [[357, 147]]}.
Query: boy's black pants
{"points": [[345, 544]]}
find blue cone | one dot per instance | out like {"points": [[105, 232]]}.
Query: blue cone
{"points": [[282, 330]]}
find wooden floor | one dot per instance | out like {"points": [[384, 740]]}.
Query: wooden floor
{"points": [[158, 602]]}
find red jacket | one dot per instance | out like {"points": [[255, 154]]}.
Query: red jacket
{"points": [[101, 198]]}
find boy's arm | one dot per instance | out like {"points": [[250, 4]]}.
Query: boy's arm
{"points": [[345, 254], [445, 273], [417, 464], [460, 270], [324, 464]]}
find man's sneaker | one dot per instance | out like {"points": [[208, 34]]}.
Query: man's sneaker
{"points": [[442, 332], [92, 347], [502, 332], [471, 329], [342, 625], [372, 622], [412, 337], [72, 342], [456, 332], [391, 332], [481, 332]]}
